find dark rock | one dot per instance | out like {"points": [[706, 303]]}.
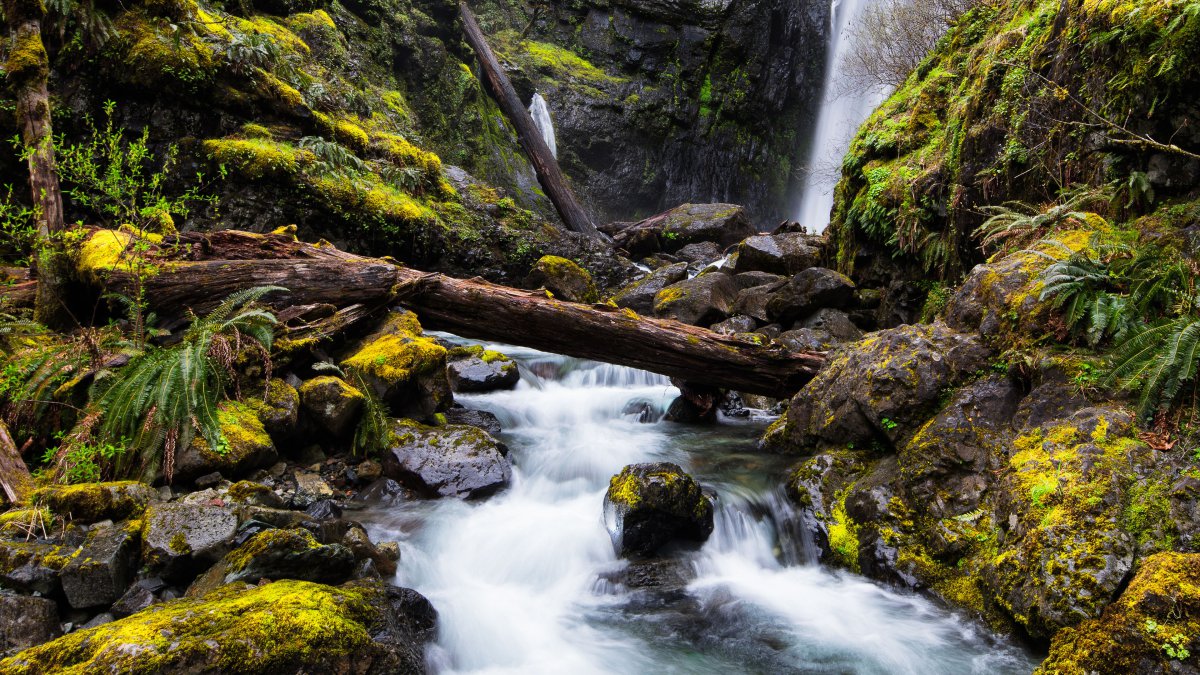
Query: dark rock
{"points": [[24, 566], [700, 301], [98, 620], [755, 279], [357, 541], [332, 403], [135, 599], [180, 539], [700, 252], [310, 489], [653, 573], [99, 573], [368, 471], [279, 554], [26, 622], [785, 254], [324, 509], [834, 322], [642, 411], [278, 408], [209, 480], [253, 494], [384, 491], [753, 301], [639, 296], [734, 324], [721, 224], [564, 278], [247, 447], [475, 369], [475, 418], [648, 505], [807, 339], [808, 291], [446, 461]]}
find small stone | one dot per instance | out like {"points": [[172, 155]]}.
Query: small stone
{"points": [[310, 488], [324, 509], [209, 480], [368, 471]]}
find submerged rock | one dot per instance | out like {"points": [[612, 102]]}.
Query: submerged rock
{"points": [[564, 278], [475, 369], [446, 461], [648, 505]]}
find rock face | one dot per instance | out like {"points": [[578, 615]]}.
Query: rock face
{"points": [[332, 403], [404, 367], [649, 505], [359, 627], [639, 296], [475, 369], [564, 278], [447, 461], [700, 301], [26, 621], [1152, 628]]}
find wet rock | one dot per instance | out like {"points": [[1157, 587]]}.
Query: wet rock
{"points": [[368, 471], [753, 301], [403, 366], [808, 291], [180, 539], [786, 254], [475, 369], [325, 509], [99, 573], [332, 403], [32, 567], [879, 388], [357, 541], [384, 491], [833, 322], [26, 622], [734, 325], [639, 296], [247, 447], [92, 502], [329, 630], [446, 461], [1151, 628], [648, 505], [564, 278], [640, 410], [700, 301], [279, 554], [475, 418], [278, 408]]}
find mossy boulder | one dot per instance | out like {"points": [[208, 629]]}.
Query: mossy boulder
{"points": [[278, 408], [1154, 627], [639, 295], [282, 627], [33, 567], [700, 301], [91, 502], [180, 539], [447, 461], [331, 403], [650, 505], [279, 554], [404, 367], [721, 224], [246, 446], [475, 369], [564, 278]]}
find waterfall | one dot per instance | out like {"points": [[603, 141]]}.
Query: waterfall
{"points": [[541, 119], [841, 113]]}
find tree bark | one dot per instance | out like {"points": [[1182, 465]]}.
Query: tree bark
{"points": [[14, 475], [28, 70], [548, 172], [322, 275]]}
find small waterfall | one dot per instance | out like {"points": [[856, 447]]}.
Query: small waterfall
{"points": [[541, 119], [842, 112]]}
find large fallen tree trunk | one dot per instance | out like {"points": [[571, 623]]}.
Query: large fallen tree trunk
{"points": [[322, 276], [544, 163]]}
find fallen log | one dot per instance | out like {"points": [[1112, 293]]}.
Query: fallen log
{"points": [[323, 276], [543, 161]]}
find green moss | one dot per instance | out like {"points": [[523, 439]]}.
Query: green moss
{"points": [[90, 502], [330, 383], [843, 533], [104, 251], [623, 489], [258, 157], [279, 627], [27, 62], [399, 354], [560, 63], [266, 541]]}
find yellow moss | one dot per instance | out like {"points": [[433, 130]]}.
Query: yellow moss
{"points": [[404, 153], [399, 354], [344, 390], [369, 196], [286, 39], [156, 53], [843, 533], [278, 627], [90, 502], [275, 88], [561, 63], [258, 157], [102, 252], [27, 61], [265, 541], [252, 130], [242, 430], [315, 19]]}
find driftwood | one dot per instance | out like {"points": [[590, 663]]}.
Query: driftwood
{"points": [[544, 163], [14, 475], [322, 276]]}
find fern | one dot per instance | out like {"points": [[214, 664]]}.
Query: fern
{"points": [[1018, 223], [1157, 362], [332, 157], [165, 396], [374, 424]]}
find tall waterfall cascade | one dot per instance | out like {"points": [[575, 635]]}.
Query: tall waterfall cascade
{"points": [[541, 119], [842, 111]]}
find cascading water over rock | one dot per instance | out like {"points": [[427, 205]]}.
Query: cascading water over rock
{"points": [[541, 119]]}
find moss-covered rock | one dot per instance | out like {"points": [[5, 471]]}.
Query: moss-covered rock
{"points": [[564, 278], [282, 627], [278, 408], [246, 446], [649, 505], [1153, 628], [639, 295], [277, 554], [404, 367], [332, 403], [91, 502], [700, 301], [475, 369], [447, 461]]}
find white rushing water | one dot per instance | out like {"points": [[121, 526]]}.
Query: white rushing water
{"points": [[842, 111], [541, 119], [527, 581]]}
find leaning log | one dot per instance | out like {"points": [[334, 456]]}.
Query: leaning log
{"points": [[198, 273], [15, 480], [543, 161]]}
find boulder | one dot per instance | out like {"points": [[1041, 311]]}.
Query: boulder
{"points": [[564, 278], [93, 502], [179, 539], [1154, 627], [136, 598], [808, 291], [755, 279], [786, 254], [446, 461], [310, 489], [248, 446], [278, 408], [332, 403], [98, 574], [26, 622], [357, 541], [879, 388], [253, 494], [279, 554], [834, 322], [475, 369], [700, 252], [474, 418], [648, 505], [286, 627], [753, 301], [31, 567], [735, 324], [807, 339], [722, 224], [404, 367], [639, 296], [700, 301]]}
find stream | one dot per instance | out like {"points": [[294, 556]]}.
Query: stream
{"points": [[527, 581]]}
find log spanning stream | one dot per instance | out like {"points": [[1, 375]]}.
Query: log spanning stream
{"points": [[527, 581]]}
